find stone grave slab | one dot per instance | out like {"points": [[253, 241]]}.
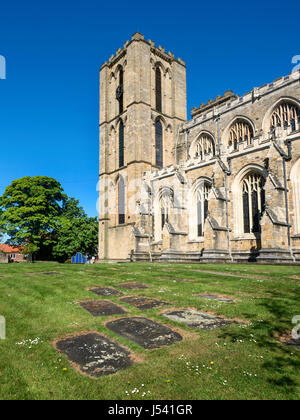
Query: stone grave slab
{"points": [[141, 302], [214, 297], [49, 273], [181, 280], [293, 343], [145, 332], [106, 291], [101, 307], [195, 319], [94, 354], [288, 340], [133, 285]]}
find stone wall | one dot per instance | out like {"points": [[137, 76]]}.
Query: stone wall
{"points": [[138, 59], [201, 156], [3, 257]]}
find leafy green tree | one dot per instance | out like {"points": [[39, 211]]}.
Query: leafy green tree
{"points": [[76, 232], [35, 213], [30, 210]]}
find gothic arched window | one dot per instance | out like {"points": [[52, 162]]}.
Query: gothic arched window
{"points": [[164, 214], [121, 144], [240, 131], [165, 206], [253, 202], [120, 90], [158, 101], [204, 146], [158, 144], [121, 201], [285, 114], [202, 194]]}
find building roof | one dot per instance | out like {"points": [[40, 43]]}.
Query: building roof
{"points": [[8, 249]]}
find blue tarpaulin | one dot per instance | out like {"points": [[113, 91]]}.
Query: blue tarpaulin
{"points": [[78, 259]]}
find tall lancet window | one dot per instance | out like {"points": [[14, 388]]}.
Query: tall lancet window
{"points": [[253, 202], [158, 144], [202, 207], [120, 91], [158, 106], [121, 201], [121, 144], [166, 202]]}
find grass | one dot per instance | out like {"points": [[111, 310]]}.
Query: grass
{"points": [[248, 362]]}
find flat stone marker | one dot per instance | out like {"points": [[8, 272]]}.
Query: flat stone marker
{"points": [[133, 285], [195, 319], [214, 297], [141, 302], [294, 343], [94, 354], [106, 291], [145, 332], [50, 272], [288, 340], [179, 280], [101, 307]]}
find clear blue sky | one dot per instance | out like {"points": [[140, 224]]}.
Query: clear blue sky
{"points": [[49, 101]]}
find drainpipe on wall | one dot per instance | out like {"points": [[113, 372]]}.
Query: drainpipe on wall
{"points": [[286, 158], [226, 172], [227, 213], [176, 144], [150, 207], [219, 135]]}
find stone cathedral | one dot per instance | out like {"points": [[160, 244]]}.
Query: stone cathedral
{"points": [[221, 187]]}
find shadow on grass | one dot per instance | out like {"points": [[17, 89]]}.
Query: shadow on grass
{"points": [[281, 367]]}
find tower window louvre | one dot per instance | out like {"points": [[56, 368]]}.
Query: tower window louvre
{"points": [[158, 144], [158, 102], [121, 144], [120, 90]]}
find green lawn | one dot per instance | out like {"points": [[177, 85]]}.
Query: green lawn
{"points": [[248, 362]]}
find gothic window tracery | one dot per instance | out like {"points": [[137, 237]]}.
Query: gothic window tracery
{"points": [[285, 114], [240, 131], [253, 202], [166, 203], [202, 194], [204, 146]]}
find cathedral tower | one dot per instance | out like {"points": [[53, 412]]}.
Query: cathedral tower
{"points": [[142, 104]]}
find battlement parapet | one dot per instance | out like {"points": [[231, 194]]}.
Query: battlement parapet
{"points": [[222, 104], [138, 37]]}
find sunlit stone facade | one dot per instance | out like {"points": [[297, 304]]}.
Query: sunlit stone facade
{"points": [[221, 187]]}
